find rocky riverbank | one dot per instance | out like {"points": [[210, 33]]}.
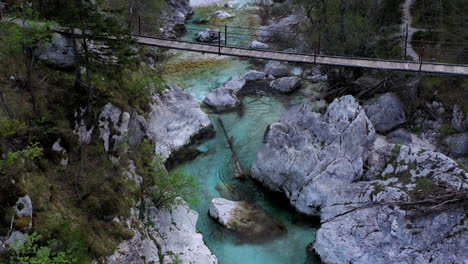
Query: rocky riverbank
{"points": [[323, 164]]}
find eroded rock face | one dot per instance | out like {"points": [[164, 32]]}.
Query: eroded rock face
{"points": [[458, 122], [306, 155], [224, 97], [175, 16], [286, 84], [392, 233], [250, 223], [175, 118], [173, 236], [386, 112]]}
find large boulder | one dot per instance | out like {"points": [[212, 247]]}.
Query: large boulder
{"points": [[276, 69], [249, 222], [306, 155], [59, 52], [258, 45], [457, 144], [386, 112], [220, 14], [208, 36], [254, 76], [175, 118], [375, 221], [400, 136], [224, 97], [286, 84]]}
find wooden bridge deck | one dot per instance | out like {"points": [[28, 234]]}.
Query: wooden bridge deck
{"points": [[426, 67]]}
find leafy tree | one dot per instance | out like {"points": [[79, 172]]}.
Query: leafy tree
{"points": [[170, 186], [27, 38]]}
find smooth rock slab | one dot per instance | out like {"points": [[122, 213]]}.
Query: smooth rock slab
{"points": [[286, 84], [386, 112], [250, 223], [306, 155]]}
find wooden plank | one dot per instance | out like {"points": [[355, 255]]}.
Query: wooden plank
{"points": [[323, 59]]}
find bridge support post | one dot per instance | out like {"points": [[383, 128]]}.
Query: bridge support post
{"points": [[406, 41], [139, 26], [421, 60], [225, 35], [319, 40], [219, 42], [315, 52]]}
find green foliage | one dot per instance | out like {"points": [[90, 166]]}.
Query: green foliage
{"points": [[446, 130], [31, 252], [17, 160], [350, 27], [10, 127]]}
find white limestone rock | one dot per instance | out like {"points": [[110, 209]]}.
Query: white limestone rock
{"points": [[306, 155], [224, 97], [386, 112], [254, 76], [286, 84], [175, 118], [387, 233]]}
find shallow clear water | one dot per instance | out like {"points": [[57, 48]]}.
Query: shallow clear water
{"points": [[247, 128]]}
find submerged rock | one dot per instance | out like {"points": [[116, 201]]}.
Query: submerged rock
{"points": [[364, 222], [224, 97], [276, 69], [175, 118], [258, 45], [386, 112], [286, 84], [306, 154], [248, 221]]}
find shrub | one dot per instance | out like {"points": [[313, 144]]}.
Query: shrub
{"points": [[31, 252]]}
